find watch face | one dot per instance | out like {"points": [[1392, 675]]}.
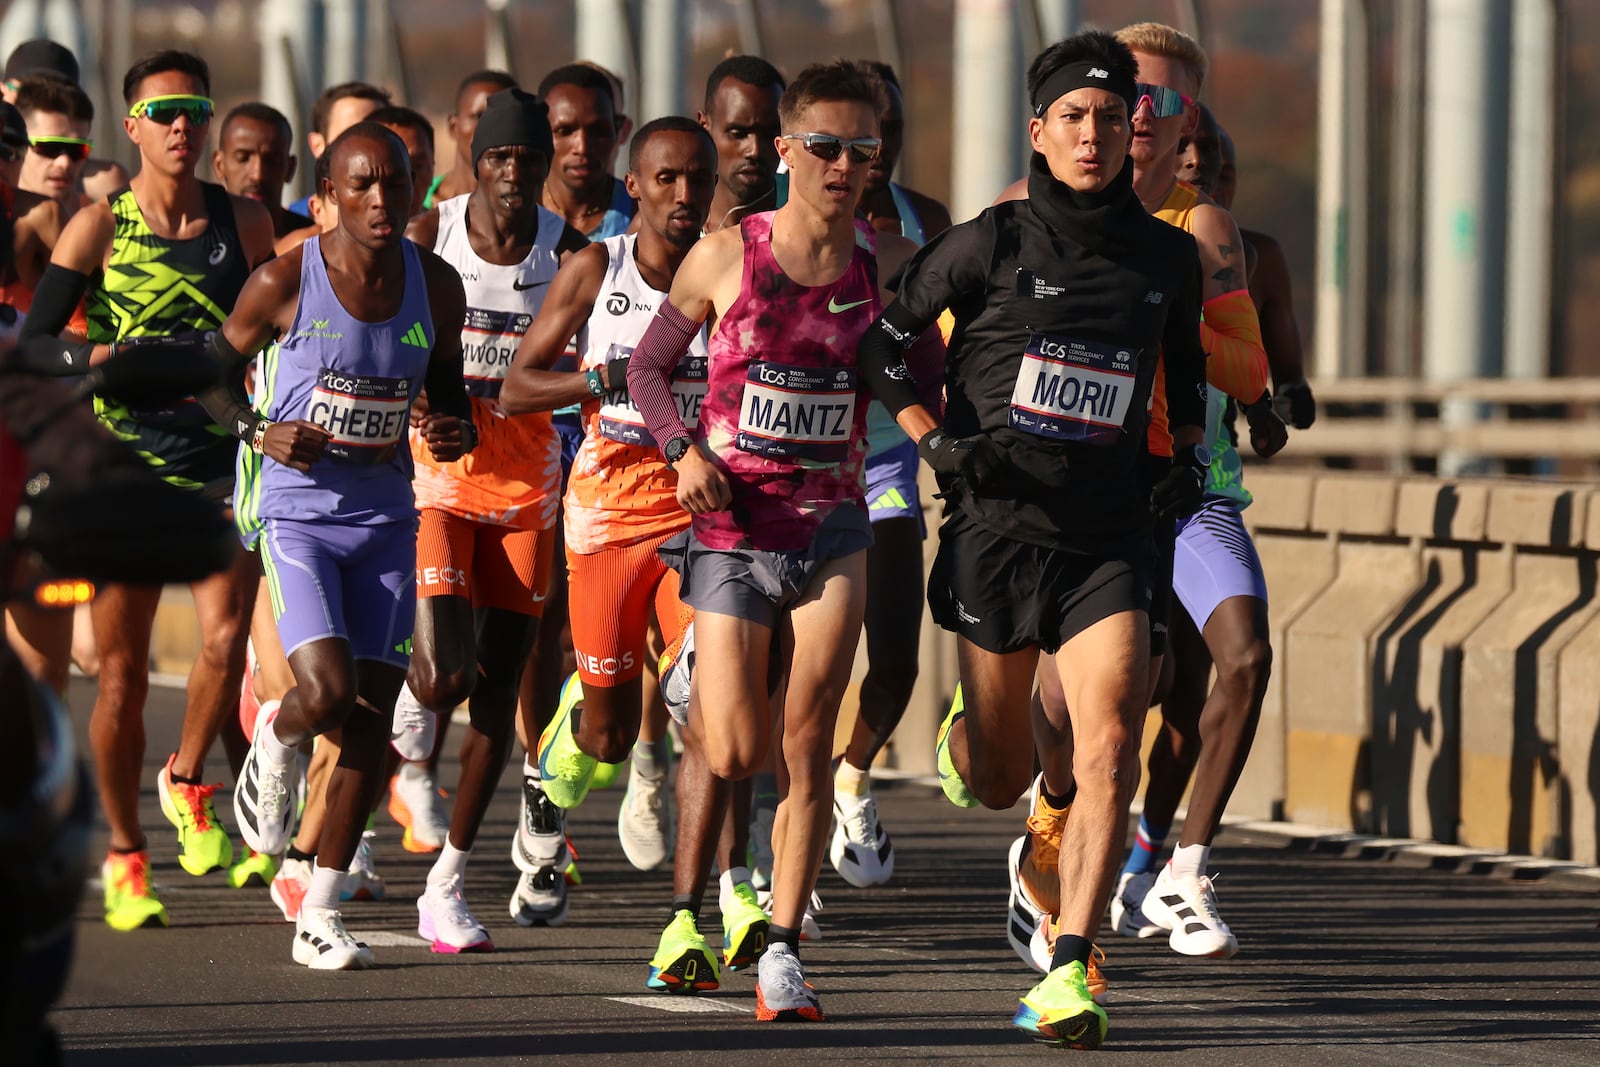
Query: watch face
{"points": [[1202, 456]]}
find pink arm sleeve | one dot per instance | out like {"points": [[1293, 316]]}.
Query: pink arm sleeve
{"points": [[664, 343]]}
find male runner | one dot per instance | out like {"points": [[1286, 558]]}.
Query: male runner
{"points": [[416, 133], [775, 561], [472, 96], [484, 548], [336, 109], [42, 58], [164, 258], [1061, 303], [583, 121], [741, 114], [356, 312], [255, 159], [59, 116]]}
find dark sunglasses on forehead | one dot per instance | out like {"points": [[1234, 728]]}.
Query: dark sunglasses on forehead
{"points": [[164, 110], [1164, 102], [826, 146], [74, 148]]}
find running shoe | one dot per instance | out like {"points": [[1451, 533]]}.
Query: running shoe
{"points": [[255, 869], [1059, 1010], [540, 899], [676, 671], [683, 962], [249, 706], [1044, 948], [203, 845], [1188, 908], [1041, 875], [1127, 911], [861, 850], [266, 797], [761, 820], [955, 790], [644, 821], [541, 837], [362, 881], [415, 727], [131, 900], [1023, 915], [782, 992], [290, 887], [322, 943], [565, 768], [445, 921], [416, 804], [744, 926], [606, 774]]}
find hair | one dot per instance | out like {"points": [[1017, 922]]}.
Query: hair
{"points": [[581, 76], [881, 69], [256, 111], [407, 119], [168, 59], [1090, 46], [618, 93], [665, 124], [56, 96], [321, 171], [1158, 39], [322, 110], [839, 80], [484, 77], [751, 70]]}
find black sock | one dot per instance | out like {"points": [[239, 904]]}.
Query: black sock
{"points": [[140, 847], [295, 854], [176, 777], [688, 902], [787, 935], [1061, 802], [1069, 947]]}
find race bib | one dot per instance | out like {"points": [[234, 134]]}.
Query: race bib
{"points": [[488, 341], [365, 416], [619, 417], [1072, 390], [797, 413]]}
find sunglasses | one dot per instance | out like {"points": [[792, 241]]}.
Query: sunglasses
{"points": [[826, 146], [164, 110], [1164, 103], [74, 148]]}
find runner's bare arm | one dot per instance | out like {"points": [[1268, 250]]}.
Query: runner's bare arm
{"points": [[255, 230], [424, 229], [448, 428], [530, 385]]}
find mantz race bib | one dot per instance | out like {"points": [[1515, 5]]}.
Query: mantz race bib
{"points": [[366, 416], [1072, 390], [488, 341], [797, 413], [619, 416]]}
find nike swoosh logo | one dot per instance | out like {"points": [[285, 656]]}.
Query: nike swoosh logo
{"points": [[519, 287], [836, 307]]}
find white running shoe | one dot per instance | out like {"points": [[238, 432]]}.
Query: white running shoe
{"points": [[676, 679], [265, 799], [861, 850], [290, 885], [782, 993], [1022, 914], [416, 794], [1127, 915], [761, 820], [644, 822], [322, 943], [415, 727], [810, 929], [1188, 908], [540, 898], [444, 920], [541, 837], [362, 881]]}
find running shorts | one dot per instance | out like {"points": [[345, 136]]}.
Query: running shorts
{"points": [[892, 485], [609, 620], [355, 583], [1215, 559], [494, 566], [569, 428]]}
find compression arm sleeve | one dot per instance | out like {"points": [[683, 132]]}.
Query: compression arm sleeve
{"points": [[447, 389], [664, 343], [57, 296], [226, 401], [1231, 333], [1185, 360], [881, 357]]}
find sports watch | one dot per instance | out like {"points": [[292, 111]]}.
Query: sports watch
{"points": [[674, 449]]}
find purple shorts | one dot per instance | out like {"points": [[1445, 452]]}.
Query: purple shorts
{"points": [[1215, 560], [892, 485], [355, 583]]}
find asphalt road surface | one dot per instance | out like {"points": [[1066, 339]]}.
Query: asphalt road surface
{"points": [[1342, 961]]}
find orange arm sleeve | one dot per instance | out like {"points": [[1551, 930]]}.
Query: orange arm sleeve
{"points": [[1230, 333]]}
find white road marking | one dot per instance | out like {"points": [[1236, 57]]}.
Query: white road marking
{"points": [[689, 1005]]}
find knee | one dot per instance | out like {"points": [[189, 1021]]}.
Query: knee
{"points": [[998, 788], [326, 701], [734, 756], [894, 677], [608, 739], [439, 689], [123, 686], [1107, 761], [1246, 668]]}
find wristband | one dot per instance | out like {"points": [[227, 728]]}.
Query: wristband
{"points": [[596, 386], [258, 437]]}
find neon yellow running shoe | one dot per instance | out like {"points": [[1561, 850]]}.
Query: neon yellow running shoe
{"points": [[131, 900], [683, 961], [203, 845], [955, 790], [744, 927], [606, 774], [256, 867], [566, 769], [1059, 1010]]}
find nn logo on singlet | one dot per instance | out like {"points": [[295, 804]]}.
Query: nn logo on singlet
{"points": [[416, 337], [319, 328]]}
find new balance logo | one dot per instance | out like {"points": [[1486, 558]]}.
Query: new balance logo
{"points": [[1096, 72], [1154, 297], [415, 337]]}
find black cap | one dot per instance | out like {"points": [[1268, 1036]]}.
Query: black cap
{"points": [[41, 58], [13, 130], [513, 117]]}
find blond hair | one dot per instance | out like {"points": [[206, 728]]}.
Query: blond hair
{"points": [[1159, 39]]}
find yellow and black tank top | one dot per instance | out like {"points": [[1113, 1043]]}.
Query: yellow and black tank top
{"points": [[158, 288]]}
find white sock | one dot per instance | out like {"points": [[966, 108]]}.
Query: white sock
{"points": [[1189, 861], [451, 861], [730, 878], [851, 780], [530, 768], [324, 889], [276, 752]]}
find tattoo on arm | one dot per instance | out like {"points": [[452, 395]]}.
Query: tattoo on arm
{"points": [[1227, 276], [1227, 251]]}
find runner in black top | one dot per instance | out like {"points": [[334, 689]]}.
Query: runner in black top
{"points": [[1061, 304]]}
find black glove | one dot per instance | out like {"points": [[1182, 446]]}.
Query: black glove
{"points": [[1180, 491], [1295, 405], [617, 376], [974, 460], [1268, 434]]}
